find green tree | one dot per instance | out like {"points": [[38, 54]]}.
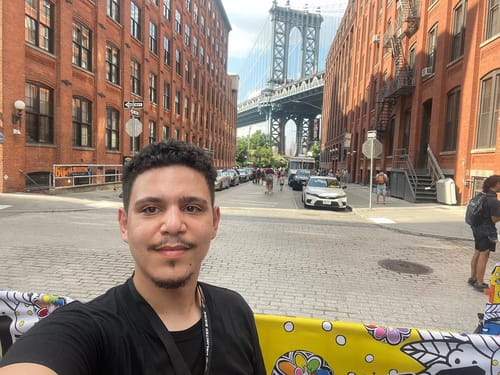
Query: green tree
{"points": [[316, 151]]}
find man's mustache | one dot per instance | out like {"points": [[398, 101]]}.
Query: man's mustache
{"points": [[171, 242]]}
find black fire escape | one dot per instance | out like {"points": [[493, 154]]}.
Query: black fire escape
{"points": [[403, 83]]}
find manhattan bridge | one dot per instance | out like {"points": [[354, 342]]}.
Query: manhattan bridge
{"points": [[283, 77]]}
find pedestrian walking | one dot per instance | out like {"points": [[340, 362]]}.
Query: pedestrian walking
{"points": [[269, 179], [162, 320], [281, 179], [381, 181], [485, 233]]}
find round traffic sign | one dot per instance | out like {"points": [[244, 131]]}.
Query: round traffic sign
{"points": [[133, 127]]}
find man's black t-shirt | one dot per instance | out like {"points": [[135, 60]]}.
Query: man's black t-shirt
{"points": [[112, 335]]}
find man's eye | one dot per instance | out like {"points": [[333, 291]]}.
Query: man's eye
{"points": [[192, 209], [150, 210]]}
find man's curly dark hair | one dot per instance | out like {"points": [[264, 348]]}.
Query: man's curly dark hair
{"points": [[167, 153]]}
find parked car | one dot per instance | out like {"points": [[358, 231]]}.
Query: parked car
{"points": [[235, 177], [324, 191], [300, 179], [243, 175], [223, 180], [251, 173]]}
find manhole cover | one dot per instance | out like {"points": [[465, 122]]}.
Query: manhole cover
{"points": [[403, 266]]}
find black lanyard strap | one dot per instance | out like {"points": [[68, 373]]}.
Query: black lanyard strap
{"points": [[205, 330]]}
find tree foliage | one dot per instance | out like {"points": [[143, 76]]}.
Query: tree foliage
{"points": [[256, 151]]}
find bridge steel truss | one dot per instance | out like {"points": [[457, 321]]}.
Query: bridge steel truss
{"points": [[283, 100], [299, 101], [283, 21]]}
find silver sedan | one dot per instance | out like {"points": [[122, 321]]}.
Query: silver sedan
{"points": [[323, 191]]}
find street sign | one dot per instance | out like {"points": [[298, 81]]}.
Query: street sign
{"points": [[131, 104], [133, 127], [377, 148], [371, 134], [133, 112]]}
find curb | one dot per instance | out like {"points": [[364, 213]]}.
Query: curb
{"points": [[415, 233]]}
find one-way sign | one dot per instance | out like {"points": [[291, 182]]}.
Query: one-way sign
{"points": [[129, 104]]}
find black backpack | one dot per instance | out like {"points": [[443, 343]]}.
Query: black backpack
{"points": [[474, 212]]}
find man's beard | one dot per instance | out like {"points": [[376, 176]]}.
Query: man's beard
{"points": [[172, 283]]}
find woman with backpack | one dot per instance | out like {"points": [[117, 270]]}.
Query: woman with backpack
{"points": [[485, 233]]}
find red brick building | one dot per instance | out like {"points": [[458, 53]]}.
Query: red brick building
{"points": [[426, 76], [78, 62]]}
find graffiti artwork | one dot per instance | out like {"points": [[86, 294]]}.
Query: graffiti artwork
{"points": [[20, 311], [305, 346]]}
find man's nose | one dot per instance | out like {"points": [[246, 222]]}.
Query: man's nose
{"points": [[173, 220]]}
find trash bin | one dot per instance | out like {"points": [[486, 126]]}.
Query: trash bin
{"points": [[446, 191]]}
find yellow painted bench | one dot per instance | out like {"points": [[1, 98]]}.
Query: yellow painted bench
{"points": [[305, 346]]}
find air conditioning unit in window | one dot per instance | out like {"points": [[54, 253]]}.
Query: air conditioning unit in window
{"points": [[376, 38], [427, 71]]}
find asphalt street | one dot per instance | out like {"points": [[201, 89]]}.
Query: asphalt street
{"points": [[399, 264]]}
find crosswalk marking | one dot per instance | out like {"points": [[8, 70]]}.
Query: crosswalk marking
{"points": [[382, 220], [2, 206]]}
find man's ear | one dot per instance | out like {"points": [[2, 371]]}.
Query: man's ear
{"points": [[122, 221]]}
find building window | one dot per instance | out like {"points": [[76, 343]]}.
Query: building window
{"points": [[195, 13], [178, 22], [187, 34], [195, 79], [458, 35], [166, 9], [152, 132], [202, 55], [178, 61], [135, 77], [82, 122], [153, 89], [451, 126], [202, 25], [188, 5], [39, 114], [135, 144], [39, 24], [178, 102], [112, 64], [186, 108], [195, 112], [112, 129], [113, 9], [82, 52], [411, 58], [431, 48], [176, 134], [195, 45], [187, 68], [166, 53], [489, 111], [166, 96], [164, 132], [135, 21], [493, 19], [153, 38]]}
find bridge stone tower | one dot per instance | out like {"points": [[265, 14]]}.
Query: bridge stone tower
{"points": [[284, 19]]}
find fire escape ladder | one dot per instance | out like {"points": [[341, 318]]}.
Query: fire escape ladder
{"points": [[384, 116], [403, 82], [410, 16]]}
